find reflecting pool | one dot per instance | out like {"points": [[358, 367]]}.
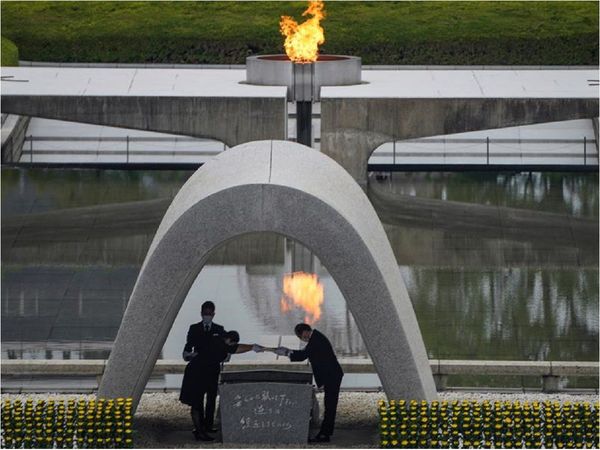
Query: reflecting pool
{"points": [[497, 265]]}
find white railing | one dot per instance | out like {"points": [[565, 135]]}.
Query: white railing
{"points": [[446, 151], [486, 152], [122, 147]]}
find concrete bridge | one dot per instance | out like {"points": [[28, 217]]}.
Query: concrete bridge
{"points": [[398, 105], [391, 105], [199, 103]]}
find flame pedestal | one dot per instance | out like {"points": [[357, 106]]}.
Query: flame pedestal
{"points": [[304, 81]]}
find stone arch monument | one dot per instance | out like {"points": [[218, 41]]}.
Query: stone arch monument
{"points": [[286, 188]]}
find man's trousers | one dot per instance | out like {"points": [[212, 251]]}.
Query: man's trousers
{"points": [[332, 393]]}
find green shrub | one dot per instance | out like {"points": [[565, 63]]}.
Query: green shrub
{"points": [[70, 424], [470, 424], [10, 53], [218, 32]]}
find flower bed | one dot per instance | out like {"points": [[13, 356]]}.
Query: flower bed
{"points": [[67, 424], [472, 424]]}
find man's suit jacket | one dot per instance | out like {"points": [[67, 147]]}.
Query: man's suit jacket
{"points": [[202, 372], [198, 340], [319, 352]]}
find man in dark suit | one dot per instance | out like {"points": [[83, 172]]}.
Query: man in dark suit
{"points": [[206, 347], [326, 370]]}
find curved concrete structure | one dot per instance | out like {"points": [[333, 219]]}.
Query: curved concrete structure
{"points": [[285, 188]]}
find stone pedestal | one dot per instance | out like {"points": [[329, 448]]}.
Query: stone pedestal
{"points": [[265, 413]]}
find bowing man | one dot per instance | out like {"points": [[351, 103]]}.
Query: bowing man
{"points": [[326, 370]]}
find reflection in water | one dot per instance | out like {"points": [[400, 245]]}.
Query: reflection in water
{"points": [[248, 300], [566, 193], [507, 314], [304, 291], [498, 266]]}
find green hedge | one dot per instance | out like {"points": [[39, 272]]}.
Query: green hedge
{"points": [[379, 32], [10, 53], [471, 424], [70, 424]]}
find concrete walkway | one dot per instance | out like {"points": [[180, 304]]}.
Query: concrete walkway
{"points": [[490, 84], [121, 82]]}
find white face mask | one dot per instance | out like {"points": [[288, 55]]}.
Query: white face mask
{"points": [[207, 320]]}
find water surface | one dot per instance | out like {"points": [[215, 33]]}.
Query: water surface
{"points": [[497, 265]]}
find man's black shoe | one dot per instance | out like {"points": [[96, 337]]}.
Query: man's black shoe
{"points": [[202, 436], [211, 429], [319, 438]]}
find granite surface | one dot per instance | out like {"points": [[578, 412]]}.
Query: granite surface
{"points": [[265, 413], [294, 191]]}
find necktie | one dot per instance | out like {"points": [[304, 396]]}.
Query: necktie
{"points": [[206, 328]]}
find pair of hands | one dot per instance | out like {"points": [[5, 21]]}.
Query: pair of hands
{"points": [[281, 351]]}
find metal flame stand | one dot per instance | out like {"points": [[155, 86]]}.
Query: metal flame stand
{"points": [[303, 94]]}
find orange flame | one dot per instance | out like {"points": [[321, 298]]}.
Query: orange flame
{"points": [[303, 290], [302, 41]]}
